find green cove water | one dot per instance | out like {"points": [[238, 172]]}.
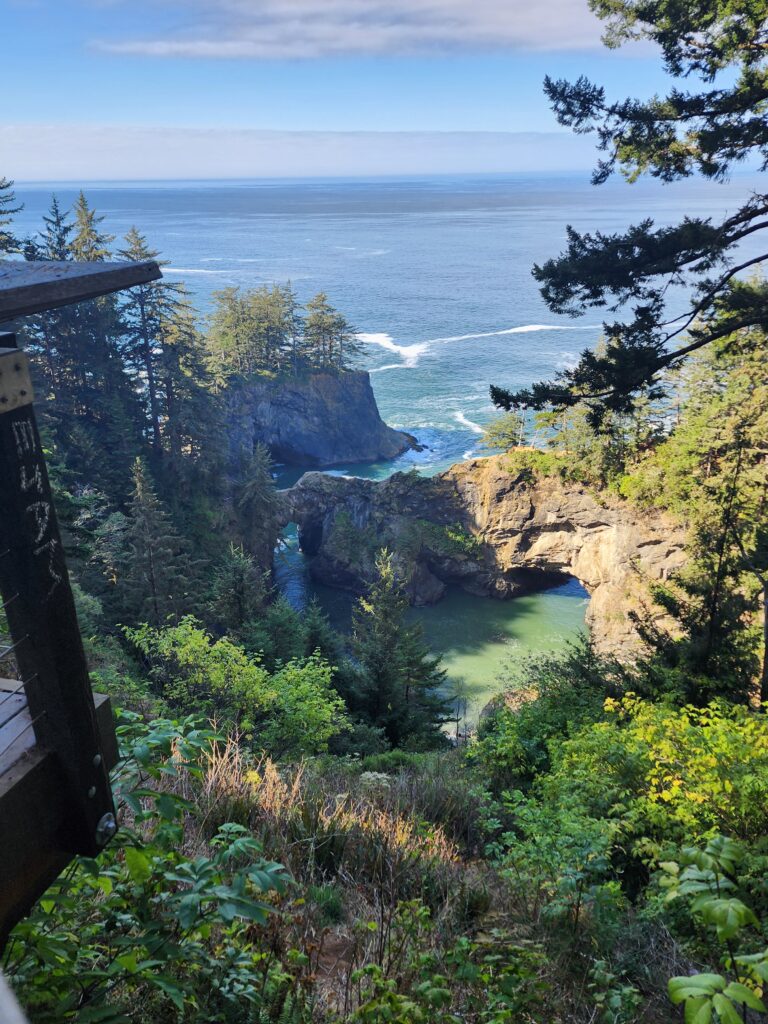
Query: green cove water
{"points": [[435, 274]]}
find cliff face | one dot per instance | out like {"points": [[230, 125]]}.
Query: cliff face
{"points": [[320, 420], [494, 532]]}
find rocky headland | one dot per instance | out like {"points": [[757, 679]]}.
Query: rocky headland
{"points": [[319, 419], [493, 529]]}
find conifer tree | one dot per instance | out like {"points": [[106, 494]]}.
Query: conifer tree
{"points": [[319, 635], [400, 682], [329, 341], [239, 590], [145, 310], [706, 130], [8, 208], [157, 578], [256, 501], [293, 325], [51, 333]]}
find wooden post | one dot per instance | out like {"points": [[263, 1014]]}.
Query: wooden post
{"points": [[40, 608]]}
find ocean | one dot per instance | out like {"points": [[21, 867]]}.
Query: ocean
{"points": [[435, 276]]}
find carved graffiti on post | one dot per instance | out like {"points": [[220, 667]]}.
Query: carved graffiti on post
{"points": [[37, 509]]}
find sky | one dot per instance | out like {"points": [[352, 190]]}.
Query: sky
{"points": [[124, 89]]}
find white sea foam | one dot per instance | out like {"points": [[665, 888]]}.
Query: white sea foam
{"points": [[190, 270], [524, 329], [468, 454], [408, 353], [469, 424]]}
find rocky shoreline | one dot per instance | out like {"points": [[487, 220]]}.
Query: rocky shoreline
{"points": [[495, 531]]}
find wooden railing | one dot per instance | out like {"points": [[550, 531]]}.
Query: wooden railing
{"points": [[56, 746]]}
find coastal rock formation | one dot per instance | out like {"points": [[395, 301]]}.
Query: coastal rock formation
{"points": [[322, 419], [492, 529]]}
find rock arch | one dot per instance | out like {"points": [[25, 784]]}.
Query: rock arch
{"points": [[493, 530]]}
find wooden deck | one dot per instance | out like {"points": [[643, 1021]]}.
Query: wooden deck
{"points": [[35, 811], [17, 735]]}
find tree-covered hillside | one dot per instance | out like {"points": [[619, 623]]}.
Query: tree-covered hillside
{"points": [[299, 839]]}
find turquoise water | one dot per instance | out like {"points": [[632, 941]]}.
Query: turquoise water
{"points": [[435, 275], [481, 640]]}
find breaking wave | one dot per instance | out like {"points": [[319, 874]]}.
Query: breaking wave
{"points": [[469, 424], [410, 354]]}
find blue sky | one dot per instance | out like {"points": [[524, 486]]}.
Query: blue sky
{"points": [[233, 69]]}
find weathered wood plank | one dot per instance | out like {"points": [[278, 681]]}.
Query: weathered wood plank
{"points": [[35, 817], [16, 733], [30, 287], [43, 625]]}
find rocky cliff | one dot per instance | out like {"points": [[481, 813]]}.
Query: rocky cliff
{"points": [[494, 531], [323, 419]]}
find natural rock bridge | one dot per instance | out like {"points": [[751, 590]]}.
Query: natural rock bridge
{"points": [[494, 531]]}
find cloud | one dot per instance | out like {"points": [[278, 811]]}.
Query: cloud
{"points": [[85, 153], [304, 29]]}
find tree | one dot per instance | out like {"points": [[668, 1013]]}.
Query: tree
{"points": [[504, 433], [712, 471], [329, 341], [145, 310], [92, 408], [154, 572], [399, 690], [239, 590], [256, 498], [707, 131], [293, 712], [8, 208]]}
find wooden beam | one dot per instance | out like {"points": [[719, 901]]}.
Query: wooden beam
{"points": [[48, 650], [28, 287], [35, 819]]}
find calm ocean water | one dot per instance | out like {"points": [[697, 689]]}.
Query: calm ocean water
{"points": [[435, 275]]}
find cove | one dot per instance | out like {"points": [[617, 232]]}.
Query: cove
{"points": [[481, 640]]}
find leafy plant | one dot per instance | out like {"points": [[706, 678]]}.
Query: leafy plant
{"points": [[149, 926], [709, 878]]}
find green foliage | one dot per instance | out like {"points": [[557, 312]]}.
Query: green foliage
{"points": [[265, 331], [8, 207], [399, 685], [551, 700], [707, 130], [129, 936], [144, 559], [490, 982], [504, 433], [451, 540], [709, 879], [292, 712], [238, 591], [711, 472]]}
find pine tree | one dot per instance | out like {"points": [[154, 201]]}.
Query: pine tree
{"points": [[157, 580], [8, 208], [319, 636], [239, 591], [145, 310], [293, 325], [256, 500], [707, 131], [400, 682], [50, 334], [329, 341]]}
